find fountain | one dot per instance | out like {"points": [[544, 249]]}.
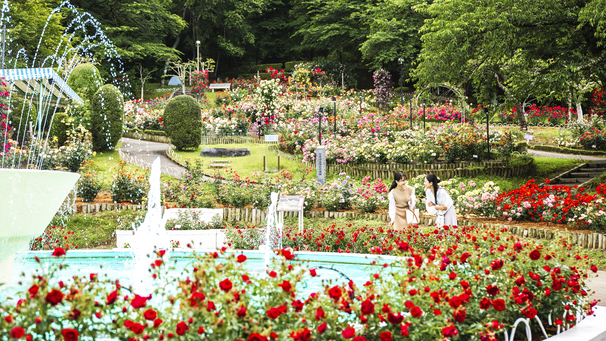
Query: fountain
{"points": [[273, 229], [150, 236]]}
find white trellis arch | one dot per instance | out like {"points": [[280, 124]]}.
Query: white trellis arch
{"points": [[459, 92]]}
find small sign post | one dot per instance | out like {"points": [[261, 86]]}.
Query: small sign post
{"points": [[271, 138], [321, 165], [291, 203]]}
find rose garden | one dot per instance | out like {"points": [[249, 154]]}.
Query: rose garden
{"points": [[157, 240]]}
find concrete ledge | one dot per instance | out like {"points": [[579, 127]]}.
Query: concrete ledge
{"points": [[199, 239], [592, 328]]}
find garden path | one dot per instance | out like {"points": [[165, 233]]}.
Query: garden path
{"points": [[598, 284], [541, 153], [147, 152]]}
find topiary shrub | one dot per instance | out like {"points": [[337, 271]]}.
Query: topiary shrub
{"points": [[85, 80], [183, 122], [107, 118], [59, 127]]}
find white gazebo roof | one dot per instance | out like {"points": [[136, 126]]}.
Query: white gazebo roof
{"points": [[30, 80]]}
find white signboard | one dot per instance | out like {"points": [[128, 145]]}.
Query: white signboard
{"points": [[271, 138]]}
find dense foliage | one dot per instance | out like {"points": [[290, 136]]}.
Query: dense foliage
{"points": [[107, 118], [183, 122]]}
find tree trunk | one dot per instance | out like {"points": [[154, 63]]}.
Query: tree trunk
{"points": [[579, 110], [521, 117], [569, 108], [142, 88]]}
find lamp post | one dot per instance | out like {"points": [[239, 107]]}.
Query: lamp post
{"points": [[401, 61], [487, 134], [320, 126], [259, 124], [410, 112], [198, 55], [334, 100], [424, 101]]}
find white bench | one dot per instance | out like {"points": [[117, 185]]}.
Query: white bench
{"points": [[220, 86]]}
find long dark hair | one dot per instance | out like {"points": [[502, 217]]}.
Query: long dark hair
{"points": [[433, 179], [397, 176]]}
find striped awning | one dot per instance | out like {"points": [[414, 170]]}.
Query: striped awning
{"points": [[30, 80]]}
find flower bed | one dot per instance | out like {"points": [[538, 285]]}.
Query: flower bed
{"points": [[462, 282]]}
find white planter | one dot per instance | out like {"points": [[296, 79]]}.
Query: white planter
{"points": [[199, 240], [30, 198]]}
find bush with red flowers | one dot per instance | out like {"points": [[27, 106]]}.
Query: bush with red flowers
{"points": [[468, 284]]}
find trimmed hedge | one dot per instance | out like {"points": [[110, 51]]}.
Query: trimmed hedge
{"points": [[564, 150], [183, 122], [263, 67], [59, 128], [262, 75], [85, 80], [107, 118]]}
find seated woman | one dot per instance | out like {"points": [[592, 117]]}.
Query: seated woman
{"points": [[402, 203], [439, 202]]}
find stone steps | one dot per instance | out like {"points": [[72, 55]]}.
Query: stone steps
{"points": [[581, 174], [219, 165], [220, 161], [585, 174]]}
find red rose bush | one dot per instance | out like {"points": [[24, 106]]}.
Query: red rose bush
{"points": [[457, 283]]}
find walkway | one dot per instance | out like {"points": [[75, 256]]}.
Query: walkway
{"points": [[541, 153], [147, 151], [599, 286]]}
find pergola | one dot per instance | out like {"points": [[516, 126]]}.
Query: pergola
{"points": [[40, 81]]}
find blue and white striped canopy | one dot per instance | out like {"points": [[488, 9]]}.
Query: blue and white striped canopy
{"points": [[30, 80]]}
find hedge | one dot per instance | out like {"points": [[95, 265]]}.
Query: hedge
{"points": [[85, 80], [59, 127], [263, 67], [107, 118], [290, 66], [564, 150], [183, 122]]}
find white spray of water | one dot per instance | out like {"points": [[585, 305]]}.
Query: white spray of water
{"points": [[273, 227], [151, 234]]}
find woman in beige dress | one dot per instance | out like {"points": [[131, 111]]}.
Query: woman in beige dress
{"points": [[401, 202]]}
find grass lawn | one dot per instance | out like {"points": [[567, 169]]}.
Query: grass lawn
{"points": [[105, 161], [247, 165], [545, 135]]}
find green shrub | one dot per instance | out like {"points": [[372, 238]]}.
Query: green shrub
{"points": [[263, 67], [85, 80], [107, 118], [290, 66], [59, 127], [76, 150], [128, 186], [89, 184], [183, 122]]}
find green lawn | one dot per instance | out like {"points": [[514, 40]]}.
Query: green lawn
{"points": [[247, 165]]}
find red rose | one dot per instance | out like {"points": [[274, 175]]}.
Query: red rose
{"points": [[70, 334], [245, 278], [112, 297], [496, 264], [529, 313], [54, 297], [303, 335], [128, 324], [273, 274], [348, 333], [137, 328], [437, 312], [320, 314], [452, 275], [241, 258], [139, 301], [8, 319], [396, 319], [460, 315], [594, 268], [157, 323], [59, 251], [241, 311], [200, 330], [535, 254], [385, 336], [312, 272], [195, 298], [256, 337], [416, 312], [359, 338], [17, 332], [492, 290], [273, 313], [367, 307], [182, 327], [33, 290], [150, 314], [225, 285], [322, 328], [288, 254], [335, 292], [499, 304], [404, 329], [464, 257], [298, 305], [285, 286], [450, 331], [485, 303], [455, 302]]}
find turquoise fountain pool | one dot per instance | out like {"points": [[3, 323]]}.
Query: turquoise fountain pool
{"points": [[120, 265]]}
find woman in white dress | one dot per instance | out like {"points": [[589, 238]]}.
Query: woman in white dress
{"points": [[402, 203], [440, 203]]}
